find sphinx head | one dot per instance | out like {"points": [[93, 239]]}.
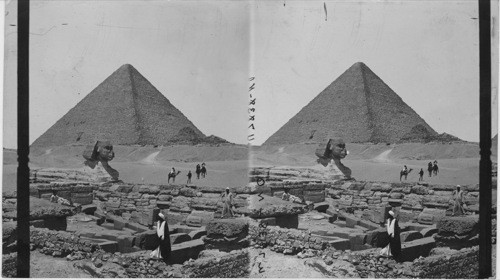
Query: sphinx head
{"points": [[105, 152], [337, 149]]}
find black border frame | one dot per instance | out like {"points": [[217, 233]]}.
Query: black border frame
{"points": [[23, 148], [485, 182], [485, 186]]}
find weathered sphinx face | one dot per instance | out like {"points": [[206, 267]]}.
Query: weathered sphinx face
{"points": [[106, 152], [338, 149]]}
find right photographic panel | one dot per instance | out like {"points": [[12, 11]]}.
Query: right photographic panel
{"points": [[364, 137]]}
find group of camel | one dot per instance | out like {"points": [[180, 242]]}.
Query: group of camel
{"points": [[431, 168], [200, 170]]}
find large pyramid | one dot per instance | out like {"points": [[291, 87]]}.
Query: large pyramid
{"points": [[125, 109], [358, 106]]}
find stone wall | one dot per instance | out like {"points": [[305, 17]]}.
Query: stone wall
{"points": [[463, 264], [9, 265], [61, 244], [137, 202], [235, 264], [408, 199], [286, 241], [227, 234]]}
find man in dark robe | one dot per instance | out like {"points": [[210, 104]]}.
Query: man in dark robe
{"points": [[395, 238], [164, 249]]}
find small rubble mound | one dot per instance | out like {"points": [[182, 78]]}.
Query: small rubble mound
{"points": [[463, 264], [227, 234], [43, 213], [458, 232], [235, 264], [420, 133], [61, 244], [264, 206], [187, 136]]}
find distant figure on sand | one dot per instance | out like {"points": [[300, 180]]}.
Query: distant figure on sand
{"points": [[404, 172], [435, 168], [421, 173], [198, 171], [429, 168], [458, 209], [172, 174], [189, 175], [227, 200], [203, 170]]}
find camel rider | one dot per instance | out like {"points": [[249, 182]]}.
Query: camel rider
{"points": [[405, 169], [172, 171]]}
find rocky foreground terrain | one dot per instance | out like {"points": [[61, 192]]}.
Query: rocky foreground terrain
{"points": [[108, 232]]}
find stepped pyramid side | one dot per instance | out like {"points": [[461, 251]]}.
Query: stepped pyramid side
{"points": [[124, 109], [159, 121], [337, 108], [390, 116], [357, 106]]}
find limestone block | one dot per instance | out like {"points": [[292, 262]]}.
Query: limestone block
{"points": [[177, 238], [288, 221], [124, 242], [458, 225], [220, 228], [368, 224], [321, 206], [187, 250], [340, 244], [407, 216], [407, 236], [109, 246], [197, 234], [431, 216], [351, 220], [429, 231], [416, 248], [420, 190]]}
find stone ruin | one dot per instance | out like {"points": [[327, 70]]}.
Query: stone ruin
{"points": [[342, 222]]}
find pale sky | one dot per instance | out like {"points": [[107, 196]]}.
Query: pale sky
{"points": [[426, 51], [194, 52], [197, 53]]}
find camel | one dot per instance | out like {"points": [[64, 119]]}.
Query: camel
{"points": [[435, 169], [172, 175], [403, 173], [203, 171]]}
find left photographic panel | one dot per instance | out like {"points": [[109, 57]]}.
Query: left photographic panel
{"points": [[138, 138]]}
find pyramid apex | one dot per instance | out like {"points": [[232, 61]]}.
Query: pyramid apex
{"points": [[127, 67], [359, 64]]}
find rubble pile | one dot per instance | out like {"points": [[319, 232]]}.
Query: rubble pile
{"points": [[227, 234], [42, 213], [462, 264], [458, 232], [9, 265], [283, 174], [111, 265], [61, 244], [235, 264], [286, 241]]}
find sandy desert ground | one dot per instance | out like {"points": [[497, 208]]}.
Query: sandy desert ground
{"points": [[228, 165]]}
